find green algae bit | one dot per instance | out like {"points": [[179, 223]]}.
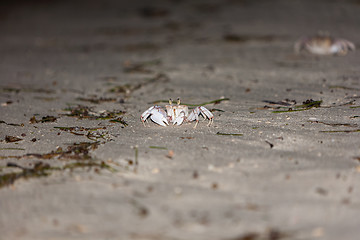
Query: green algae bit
{"points": [[229, 134], [308, 104]]}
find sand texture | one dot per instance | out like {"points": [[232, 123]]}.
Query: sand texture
{"points": [[280, 161]]}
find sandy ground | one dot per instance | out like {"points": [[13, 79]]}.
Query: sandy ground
{"points": [[253, 174]]}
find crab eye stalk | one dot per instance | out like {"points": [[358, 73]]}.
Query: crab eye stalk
{"points": [[170, 101], [178, 101]]}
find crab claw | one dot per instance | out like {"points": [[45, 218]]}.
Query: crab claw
{"points": [[180, 119], [342, 47], [157, 114], [194, 115], [159, 117]]}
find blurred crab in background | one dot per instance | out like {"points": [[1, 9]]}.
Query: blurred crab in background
{"points": [[324, 44], [176, 114]]}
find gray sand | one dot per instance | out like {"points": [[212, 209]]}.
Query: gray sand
{"points": [[290, 175]]}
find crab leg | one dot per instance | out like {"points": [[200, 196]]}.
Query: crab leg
{"points": [[146, 114], [208, 114]]}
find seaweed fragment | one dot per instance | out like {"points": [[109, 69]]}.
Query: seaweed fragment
{"points": [[12, 149], [12, 124], [27, 89], [40, 169], [285, 102], [308, 104], [96, 100], [89, 164], [341, 131], [92, 133], [119, 120], [85, 112], [48, 119], [158, 147], [79, 128], [270, 234], [76, 151], [229, 134], [10, 90], [43, 119], [80, 112], [232, 37], [334, 124], [95, 136], [127, 89]]}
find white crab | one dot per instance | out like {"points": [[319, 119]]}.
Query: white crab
{"points": [[323, 44], [177, 114]]}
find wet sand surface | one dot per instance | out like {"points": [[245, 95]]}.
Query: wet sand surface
{"points": [[280, 161]]}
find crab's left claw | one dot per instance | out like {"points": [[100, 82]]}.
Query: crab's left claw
{"points": [[194, 115], [342, 47]]}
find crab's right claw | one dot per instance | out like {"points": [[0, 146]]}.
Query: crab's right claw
{"points": [[194, 115], [159, 118], [180, 119], [156, 114]]}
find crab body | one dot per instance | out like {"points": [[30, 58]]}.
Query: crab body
{"points": [[324, 45], [176, 114]]}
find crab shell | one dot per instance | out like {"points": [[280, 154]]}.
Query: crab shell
{"points": [[173, 111], [324, 45]]}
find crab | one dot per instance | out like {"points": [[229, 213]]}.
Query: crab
{"points": [[176, 114], [323, 44]]}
